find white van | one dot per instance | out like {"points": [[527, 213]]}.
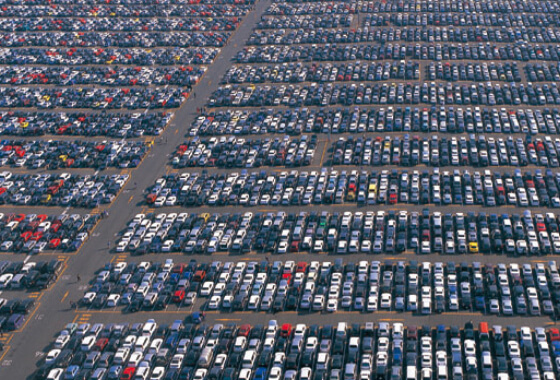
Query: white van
{"points": [[206, 357], [411, 372], [441, 372]]}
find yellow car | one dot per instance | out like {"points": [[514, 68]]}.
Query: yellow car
{"points": [[473, 247]]}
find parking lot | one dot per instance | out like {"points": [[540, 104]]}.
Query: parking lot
{"points": [[234, 178]]}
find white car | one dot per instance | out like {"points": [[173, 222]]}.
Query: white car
{"points": [[372, 302], [88, 298], [55, 374], [207, 288], [254, 302], [189, 299], [167, 245], [113, 300], [6, 245], [160, 201], [332, 305], [283, 247], [214, 302], [62, 340], [275, 373], [52, 355], [158, 373], [5, 280], [200, 374], [121, 246], [385, 301]]}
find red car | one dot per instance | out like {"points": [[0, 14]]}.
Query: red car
{"points": [[128, 373], [244, 330], [554, 334], [101, 343], [26, 235], [301, 267], [179, 268], [286, 330], [178, 296], [54, 243]]}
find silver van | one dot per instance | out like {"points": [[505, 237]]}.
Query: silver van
{"points": [[205, 358]]}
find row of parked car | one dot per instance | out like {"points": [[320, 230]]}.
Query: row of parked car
{"points": [[361, 120], [93, 97], [459, 187], [130, 4], [368, 350], [130, 9], [539, 72], [377, 31], [15, 309], [439, 152], [299, 72], [110, 55], [318, 94], [305, 21], [112, 24], [397, 51], [460, 18], [105, 76], [124, 40], [321, 286], [125, 9], [502, 7], [480, 72], [241, 153], [343, 233], [16, 275], [313, 8], [60, 189], [55, 154], [122, 125], [32, 233], [401, 151]]}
